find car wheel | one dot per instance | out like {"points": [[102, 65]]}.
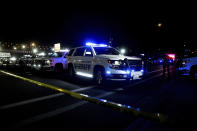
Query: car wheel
{"points": [[58, 68], [128, 80], [193, 71], [99, 77], [71, 72]]}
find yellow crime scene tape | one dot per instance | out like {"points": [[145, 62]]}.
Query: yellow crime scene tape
{"points": [[123, 108]]}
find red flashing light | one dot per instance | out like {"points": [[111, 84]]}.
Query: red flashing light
{"points": [[172, 56]]}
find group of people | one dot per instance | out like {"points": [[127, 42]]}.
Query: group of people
{"points": [[166, 65]]}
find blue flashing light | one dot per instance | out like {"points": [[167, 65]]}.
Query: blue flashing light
{"points": [[128, 106], [128, 71], [160, 61], [90, 44], [94, 44], [138, 109], [102, 45], [132, 70], [170, 61], [108, 72]]}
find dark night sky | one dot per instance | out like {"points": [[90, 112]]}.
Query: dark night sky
{"points": [[129, 24]]}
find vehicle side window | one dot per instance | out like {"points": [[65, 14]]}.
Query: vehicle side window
{"points": [[70, 52], [88, 52], [79, 52]]}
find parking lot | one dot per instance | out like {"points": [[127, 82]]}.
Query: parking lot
{"points": [[26, 104]]}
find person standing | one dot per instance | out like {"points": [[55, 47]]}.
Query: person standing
{"points": [[166, 64]]}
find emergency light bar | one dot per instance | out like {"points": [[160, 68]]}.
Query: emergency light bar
{"points": [[172, 56], [96, 45]]}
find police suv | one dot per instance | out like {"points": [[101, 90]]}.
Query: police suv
{"points": [[102, 62], [188, 66]]}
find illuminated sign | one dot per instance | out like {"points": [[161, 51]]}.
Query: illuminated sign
{"points": [[2, 54], [57, 47]]}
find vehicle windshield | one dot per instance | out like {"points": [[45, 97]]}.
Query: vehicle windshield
{"points": [[106, 51], [57, 54]]}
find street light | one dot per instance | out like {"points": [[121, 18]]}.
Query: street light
{"points": [[159, 25], [23, 46], [33, 44], [14, 48]]}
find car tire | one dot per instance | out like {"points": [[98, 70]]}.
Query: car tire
{"points": [[71, 71], [193, 71], [58, 68], [99, 77], [128, 80]]}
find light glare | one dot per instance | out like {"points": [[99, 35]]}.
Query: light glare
{"points": [[84, 74]]}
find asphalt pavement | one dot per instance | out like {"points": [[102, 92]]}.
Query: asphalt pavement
{"points": [[27, 105]]}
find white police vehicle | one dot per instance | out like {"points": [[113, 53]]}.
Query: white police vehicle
{"points": [[188, 66], [54, 62], [102, 62]]}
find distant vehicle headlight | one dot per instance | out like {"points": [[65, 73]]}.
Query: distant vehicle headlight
{"points": [[13, 58], [47, 62]]}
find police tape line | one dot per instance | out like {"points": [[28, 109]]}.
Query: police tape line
{"points": [[123, 108]]}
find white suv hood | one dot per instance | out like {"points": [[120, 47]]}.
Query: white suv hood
{"points": [[118, 57]]}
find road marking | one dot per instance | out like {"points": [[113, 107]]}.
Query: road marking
{"points": [[30, 101], [48, 114], [123, 108], [83, 89], [60, 94], [154, 71], [55, 112], [40, 99]]}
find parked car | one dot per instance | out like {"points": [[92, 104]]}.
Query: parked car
{"points": [[102, 62], [54, 62]]}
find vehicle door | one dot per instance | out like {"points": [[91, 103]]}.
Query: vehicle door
{"points": [[87, 60], [64, 59], [77, 59]]}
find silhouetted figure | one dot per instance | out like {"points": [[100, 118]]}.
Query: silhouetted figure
{"points": [[166, 64]]}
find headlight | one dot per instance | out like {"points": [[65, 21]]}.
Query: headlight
{"points": [[13, 58], [47, 62], [114, 63]]}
